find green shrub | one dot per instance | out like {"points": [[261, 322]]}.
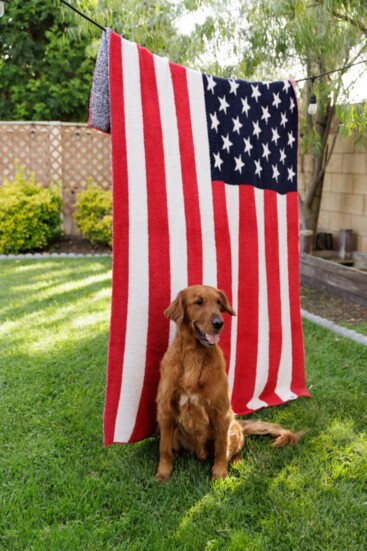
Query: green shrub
{"points": [[93, 214], [30, 215]]}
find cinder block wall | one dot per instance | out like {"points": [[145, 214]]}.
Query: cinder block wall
{"points": [[344, 199]]}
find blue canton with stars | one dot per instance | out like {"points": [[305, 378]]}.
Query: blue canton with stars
{"points": [[253, 132]]}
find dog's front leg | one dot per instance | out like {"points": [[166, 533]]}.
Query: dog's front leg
{"points": [[220, 454], [165, 451]]}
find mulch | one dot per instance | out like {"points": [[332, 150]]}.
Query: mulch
{"points": [[78, 245]]}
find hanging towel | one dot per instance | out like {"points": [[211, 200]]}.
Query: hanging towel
{"points": [[204, 191]]}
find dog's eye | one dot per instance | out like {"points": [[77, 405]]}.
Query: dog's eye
{"points": [[219, 302], [199, 301]]}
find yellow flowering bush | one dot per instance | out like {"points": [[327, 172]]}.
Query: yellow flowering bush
{"points": [[93, 214], [30, 215]]}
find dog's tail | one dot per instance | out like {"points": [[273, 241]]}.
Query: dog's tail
{"points": [[284, 437]]}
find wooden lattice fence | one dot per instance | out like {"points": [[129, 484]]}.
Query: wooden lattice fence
{"points": [[72, 154]]}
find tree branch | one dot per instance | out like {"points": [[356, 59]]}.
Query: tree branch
{"points": [[349, 19]]}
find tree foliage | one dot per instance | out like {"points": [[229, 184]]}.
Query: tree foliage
{"points": [[47, 52], [44, 73], [315, 36], [150, 23]]}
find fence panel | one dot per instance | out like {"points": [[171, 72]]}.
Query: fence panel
{"points": [[72, 154]]}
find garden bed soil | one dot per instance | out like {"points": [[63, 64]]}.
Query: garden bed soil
{"points": [[336, 309], [78, 245]]}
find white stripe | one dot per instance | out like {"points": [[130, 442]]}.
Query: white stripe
{"points": [[175, 196], [232, 200], [283, 387], [203, 173], [138, 298], [262, 364]]}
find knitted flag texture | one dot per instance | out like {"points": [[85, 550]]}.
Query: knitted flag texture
{"points": [[204, 191]]}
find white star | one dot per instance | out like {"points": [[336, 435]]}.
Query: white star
{"points": [[266, 115], [236, 125], [211, 83], [276, 136], [291, 174], [257, 128], [286, 86], [215, 121], [282, 156], [255, 92], [258, 168], [239, 164], [223, 104], [226, 143], [245, 106], [248, 146], [284, 120], [276, 172], [291, 139], [234, 85], [277, 100], [266, 151], [217, 160], [292, 105]]}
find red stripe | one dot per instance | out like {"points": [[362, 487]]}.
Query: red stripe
{"points": [[298, 385], [224, 259], [189, 178], [274, 297], [159, 261], [248, 303], [120, 242]]}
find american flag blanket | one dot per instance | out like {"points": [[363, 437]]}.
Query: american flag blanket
{"points": [[204, 191]]}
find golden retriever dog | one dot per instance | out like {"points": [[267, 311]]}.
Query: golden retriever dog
{"points": [[194, 409]]}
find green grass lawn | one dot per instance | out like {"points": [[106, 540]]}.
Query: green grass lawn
{"points": [[61, 490]]}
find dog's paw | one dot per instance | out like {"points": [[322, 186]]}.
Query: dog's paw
{"points": [[236, 459], [219, 473], [162, 476]]}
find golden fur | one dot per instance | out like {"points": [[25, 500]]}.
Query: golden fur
{"points": [[194, 409]]}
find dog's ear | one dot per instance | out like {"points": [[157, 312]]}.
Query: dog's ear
{"points": [[176, 310], [225, 306]]}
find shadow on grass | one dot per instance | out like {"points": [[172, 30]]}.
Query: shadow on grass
{"points": [[33, 285]]}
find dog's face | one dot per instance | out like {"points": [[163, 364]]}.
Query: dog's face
{"points": [[200, 308]]}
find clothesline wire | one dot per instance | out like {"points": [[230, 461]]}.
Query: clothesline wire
{"points": [[312, 78], [83, 15]]}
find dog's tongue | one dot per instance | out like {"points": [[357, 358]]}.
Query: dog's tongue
{"points": [[212, 339]]}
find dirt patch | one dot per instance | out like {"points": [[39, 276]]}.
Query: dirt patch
{"points": [[77, 245], [333, 308]]}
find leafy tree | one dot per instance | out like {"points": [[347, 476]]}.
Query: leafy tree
{"points": [[44, 73], [150, 23], [47, 52], [268, 37]]}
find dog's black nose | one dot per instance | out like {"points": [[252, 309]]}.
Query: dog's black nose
{"points": [[217, 323]]}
